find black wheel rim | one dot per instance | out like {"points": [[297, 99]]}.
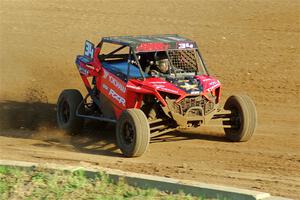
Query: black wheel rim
{"points": [[237, 119], [65, 112], [128, 133]]}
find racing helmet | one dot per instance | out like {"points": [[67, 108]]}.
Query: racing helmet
{"points": [[162, 61]]}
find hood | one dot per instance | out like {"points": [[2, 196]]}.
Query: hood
{"points": [[163, 85], [185, 86]]}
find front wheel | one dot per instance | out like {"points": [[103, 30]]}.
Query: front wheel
{"points": [[243, 120], [133, 132]]}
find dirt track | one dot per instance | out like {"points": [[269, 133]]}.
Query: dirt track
{"points": [[252, 46]]}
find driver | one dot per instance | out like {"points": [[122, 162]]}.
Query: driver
{"points": [[161, 64]]}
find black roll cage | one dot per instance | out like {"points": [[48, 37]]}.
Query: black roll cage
{"points": [[132, 53]]}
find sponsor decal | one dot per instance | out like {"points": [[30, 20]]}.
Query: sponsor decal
{"points": [[114, 81], [134, 87], [195, 92], [158, 82], [213, 83], [82, 70], [105, 87], [157, 46], [163, 88], [158, 85], [105, 74], [114, 95]]}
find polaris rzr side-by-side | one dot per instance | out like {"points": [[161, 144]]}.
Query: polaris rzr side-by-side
{"points": [[148, 86]]}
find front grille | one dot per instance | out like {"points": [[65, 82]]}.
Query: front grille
{"points": [[189, 102]]}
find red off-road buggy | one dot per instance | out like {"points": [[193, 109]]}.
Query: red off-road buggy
{"points": [[148, 86]]}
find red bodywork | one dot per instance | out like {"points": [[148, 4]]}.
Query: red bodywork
{"points": [[124, 95]]}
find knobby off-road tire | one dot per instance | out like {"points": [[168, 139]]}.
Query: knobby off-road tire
{"points": [[245, 116], [67, 104], [133, 132]]}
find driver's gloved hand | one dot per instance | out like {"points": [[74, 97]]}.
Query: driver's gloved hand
{"points": [[154, 73]]}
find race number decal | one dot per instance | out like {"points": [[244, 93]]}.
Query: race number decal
{"points": [[185, 45], [89, 49]]}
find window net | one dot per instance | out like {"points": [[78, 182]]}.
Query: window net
{"points": [[185, 60]]}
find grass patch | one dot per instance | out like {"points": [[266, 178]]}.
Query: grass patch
{"points": [[39, 183]]}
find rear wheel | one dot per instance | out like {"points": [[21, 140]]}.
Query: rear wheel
{"points": [[67, 104], [133, 132], [244, 119]]}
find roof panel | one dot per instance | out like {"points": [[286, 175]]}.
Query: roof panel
{"points": [[172, 40]]}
